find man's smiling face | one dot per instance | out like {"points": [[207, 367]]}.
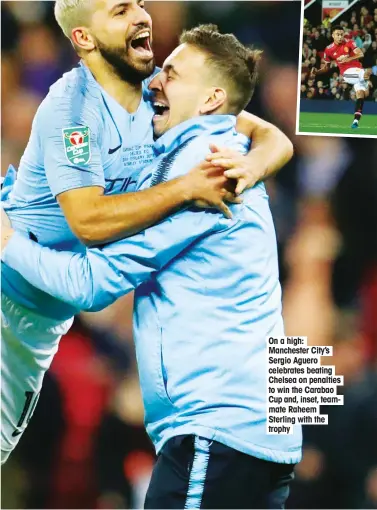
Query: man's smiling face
{"points": [[182, 89], [122, 31]]}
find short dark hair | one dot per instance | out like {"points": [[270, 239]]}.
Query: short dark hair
{"points": [[336, 27], [236, 63]]}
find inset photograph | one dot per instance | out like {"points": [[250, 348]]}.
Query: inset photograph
{"points": [[338, 75]]}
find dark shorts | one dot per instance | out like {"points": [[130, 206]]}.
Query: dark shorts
{"points": [[193, 472]]}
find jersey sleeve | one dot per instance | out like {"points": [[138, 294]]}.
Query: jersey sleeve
{"points": [[96, 278], [352, 45], [70, 141], [189, 154]]}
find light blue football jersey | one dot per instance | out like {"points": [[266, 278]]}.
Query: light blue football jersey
{"points": [[80, 137], [207, 297]]}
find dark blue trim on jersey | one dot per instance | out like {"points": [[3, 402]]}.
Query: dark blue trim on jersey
{"points": [[163, 169]]}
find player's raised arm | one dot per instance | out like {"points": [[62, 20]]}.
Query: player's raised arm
{"points": [[96, 279], [77, 181], [323, 69], [106, 218], [271, 149]]}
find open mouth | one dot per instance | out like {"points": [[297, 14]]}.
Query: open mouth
{"points": [[141, 43], [160, 109]]}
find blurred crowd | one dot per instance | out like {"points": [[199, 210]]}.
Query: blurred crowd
{"points": [[359, 24], [85, 446]]}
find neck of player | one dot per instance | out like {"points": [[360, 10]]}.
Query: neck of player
{"points": [[126, 94]]}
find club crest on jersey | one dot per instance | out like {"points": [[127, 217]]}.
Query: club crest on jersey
{"points": [[346, 49], [77, 144]]}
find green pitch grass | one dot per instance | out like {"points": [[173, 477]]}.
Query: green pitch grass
{"points": [[339, 123]]}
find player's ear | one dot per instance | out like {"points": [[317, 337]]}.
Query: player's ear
{"points": [[82, 39], [215, 99]]}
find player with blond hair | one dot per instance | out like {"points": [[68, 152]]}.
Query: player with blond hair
{"points": [[207, 296], [91, 137]]}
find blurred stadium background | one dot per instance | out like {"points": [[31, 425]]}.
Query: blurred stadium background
{"points": [[328, 93], [85, 446], [360, 24]]}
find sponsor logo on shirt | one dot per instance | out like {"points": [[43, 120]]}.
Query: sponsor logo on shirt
{"points": [[77, 145]]}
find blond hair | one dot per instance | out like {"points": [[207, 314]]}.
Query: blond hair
{"points": [[72, 13]]}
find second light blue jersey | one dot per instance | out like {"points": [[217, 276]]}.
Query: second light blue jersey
{"points": [[80, 137], [207, 297]]}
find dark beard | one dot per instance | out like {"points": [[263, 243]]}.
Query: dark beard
{"points": [[125, 71]]}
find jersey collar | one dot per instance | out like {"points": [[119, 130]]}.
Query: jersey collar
{"points": [[89, 74], [107, 97], [206, 124]]}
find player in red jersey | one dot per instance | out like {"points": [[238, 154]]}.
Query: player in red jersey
{"points": [[347, 56]]}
